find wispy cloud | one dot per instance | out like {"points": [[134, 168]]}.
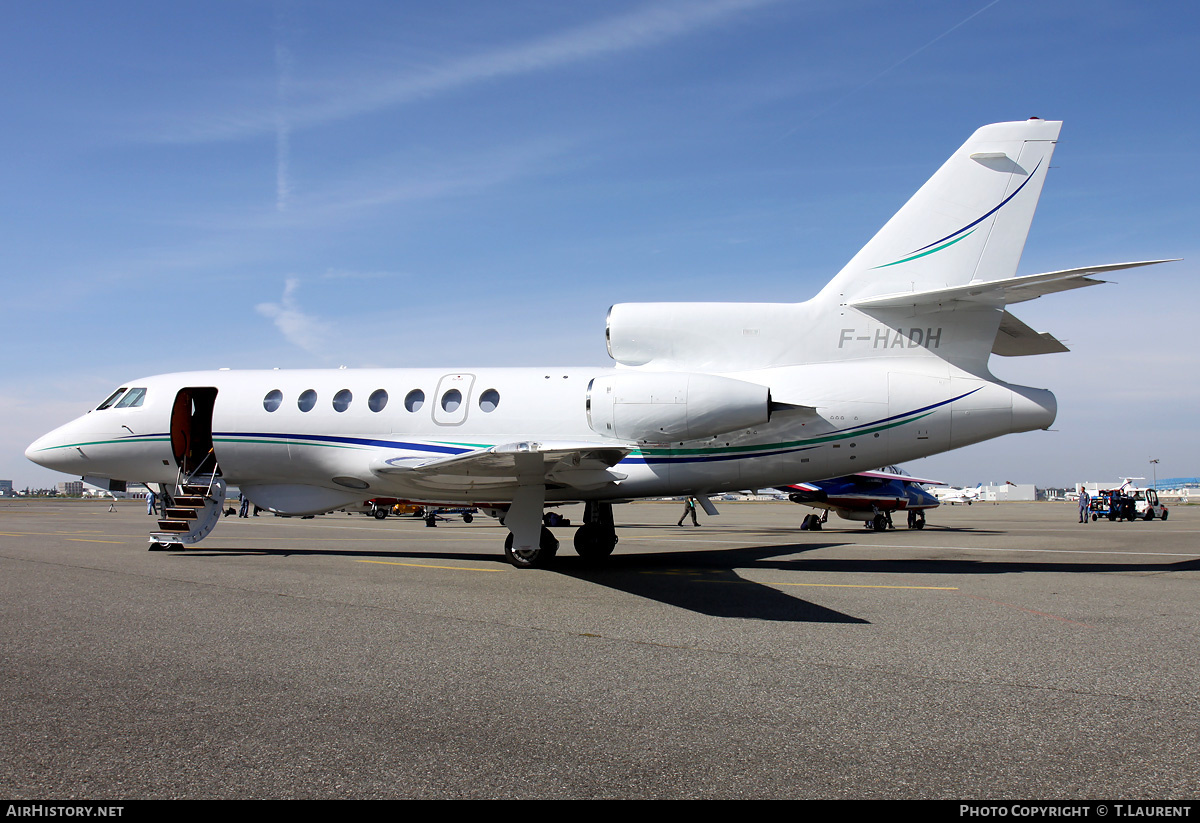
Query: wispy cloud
{"points": [[283, 127], [283, 131], [643, 28], [303, 330]]}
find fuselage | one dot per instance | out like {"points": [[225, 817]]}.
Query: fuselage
{"points": [[300, 441]]}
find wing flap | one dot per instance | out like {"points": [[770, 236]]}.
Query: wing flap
{"points": [[581, 465]]}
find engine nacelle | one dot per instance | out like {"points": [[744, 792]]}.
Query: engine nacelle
{"points": [[661, 407]]}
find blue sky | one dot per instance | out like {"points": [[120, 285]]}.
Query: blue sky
{"points": [[298, 184]]}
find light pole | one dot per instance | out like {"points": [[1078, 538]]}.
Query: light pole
{"points": [[1154, 463]]}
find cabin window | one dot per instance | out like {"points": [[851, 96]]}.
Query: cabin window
{"points": [[307, 399], [132, 399], [414, 400], [451, 400], [112, 398], [341, 400], [273, 400], [377, 400], [489, 400]]}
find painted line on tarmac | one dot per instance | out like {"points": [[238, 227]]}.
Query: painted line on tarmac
{"points": [[430, 566], [1014, 551], [864, 586]]}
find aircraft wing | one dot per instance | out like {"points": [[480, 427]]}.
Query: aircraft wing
{"points": [[1001, 292], [907, 478], [581, 465]]}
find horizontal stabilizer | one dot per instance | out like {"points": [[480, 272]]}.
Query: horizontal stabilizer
{"points": [[1000, 292], [1016, 339]]}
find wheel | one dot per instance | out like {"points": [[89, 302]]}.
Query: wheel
{"points": [[468, 517], [880, 523], [379, 513], [593, 542], [532, 558], [1095, 517], [1164, 514], [1149, 514]]}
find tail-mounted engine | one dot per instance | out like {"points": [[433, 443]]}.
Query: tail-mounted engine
{"points": [[661, 407]]}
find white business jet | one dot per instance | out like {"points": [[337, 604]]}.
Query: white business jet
{"points": [[954, 495], [888, 363]]}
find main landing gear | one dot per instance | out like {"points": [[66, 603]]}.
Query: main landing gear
{"points": [[597, 537], [594, 540], [916, 519], [531, 558], [881, 522]]}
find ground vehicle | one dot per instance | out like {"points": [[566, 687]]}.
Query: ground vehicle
{"points": [[1146, 503], [1127, 504], [381, 507]]}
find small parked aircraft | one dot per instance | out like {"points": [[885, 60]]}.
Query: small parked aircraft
{"points": [[870, 497], [954, 495], [888, 363]]}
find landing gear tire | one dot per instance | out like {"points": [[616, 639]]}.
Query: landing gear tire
{"points": [[594, 542], [532, 558], [468, 517], [879, 523], [916, 520], [379, 514]]}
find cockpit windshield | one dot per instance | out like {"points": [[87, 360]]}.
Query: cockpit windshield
{"points": [[133, 398], [112, 398], [124, 398]]}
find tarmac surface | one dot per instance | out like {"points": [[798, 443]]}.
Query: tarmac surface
{"points": [[1002, 652]]}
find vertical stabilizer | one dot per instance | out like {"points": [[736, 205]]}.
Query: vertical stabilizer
{"points": [[967, 223]]}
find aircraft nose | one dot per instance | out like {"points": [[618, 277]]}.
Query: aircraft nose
{"points": [[51, 451], [35, 453]]}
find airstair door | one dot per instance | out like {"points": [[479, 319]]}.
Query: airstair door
{"points": [[191, 430]]}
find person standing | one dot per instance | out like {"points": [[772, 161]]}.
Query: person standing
{"points": [[689, 507], [149, 502], [1084, 506]]}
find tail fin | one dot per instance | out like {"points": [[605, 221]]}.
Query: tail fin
{"points": [[968, 223]]}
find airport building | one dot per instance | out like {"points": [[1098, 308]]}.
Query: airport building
{"points": [[6, 489], [1008, 492], [71, 488]]}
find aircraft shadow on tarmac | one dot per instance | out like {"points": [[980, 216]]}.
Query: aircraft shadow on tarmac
{"points": [[709, 582], [706, 582]]}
